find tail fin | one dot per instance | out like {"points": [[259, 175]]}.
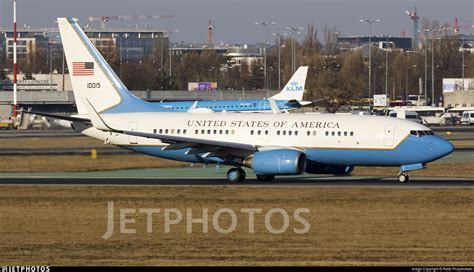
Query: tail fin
{"points": [[294, 89], [92, 78]]}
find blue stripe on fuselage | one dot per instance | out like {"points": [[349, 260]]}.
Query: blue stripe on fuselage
{"points": [[411, 151]]}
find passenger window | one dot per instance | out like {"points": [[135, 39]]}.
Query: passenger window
{"points": [[232, 132], [251, 132], [184, 131], [172, 131], [197, 131], [296, 133], [314, 133], [178, 131], [345, 133], [220, 131], [154, 131], [203, 131], [161, 131], [266, 132], [166, 131], [352, 133], [333, 133], [278, 132], [259, 132], [284, 132], [308, 133], [289, 132], [338, 133], [226, 131], [215, 131], [327, 133]]}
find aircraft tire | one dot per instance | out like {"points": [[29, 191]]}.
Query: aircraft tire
{"points": [[403, 178], [236, 175]]}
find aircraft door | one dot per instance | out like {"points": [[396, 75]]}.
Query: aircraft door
{"points": [[262, 105], [133, 127], [389, 135]]}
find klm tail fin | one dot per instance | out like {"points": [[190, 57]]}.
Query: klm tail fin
{"points": [[92, 78], [294, 89]]}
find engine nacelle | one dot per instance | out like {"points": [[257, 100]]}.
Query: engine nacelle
{"points": [[277, 162], [313, 167]]}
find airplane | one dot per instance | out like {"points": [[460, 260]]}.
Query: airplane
{"points": [[288, 99], [270, 144]]}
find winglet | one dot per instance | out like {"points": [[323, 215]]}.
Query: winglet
{"points": [[96, 120]]}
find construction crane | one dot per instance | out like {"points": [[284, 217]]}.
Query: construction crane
{"points": [[105, 19], [414, 16], [458, 26], [210, 28]]}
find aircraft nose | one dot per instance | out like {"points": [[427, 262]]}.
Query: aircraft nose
{"points": [[441, 147]]}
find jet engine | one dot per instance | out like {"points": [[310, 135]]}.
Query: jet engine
{"points": [[277, 162]]}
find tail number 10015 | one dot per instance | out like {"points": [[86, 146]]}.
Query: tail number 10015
{"points": [[93, 85]]}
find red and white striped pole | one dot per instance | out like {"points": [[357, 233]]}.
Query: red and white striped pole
{"points": [[15, 102]]}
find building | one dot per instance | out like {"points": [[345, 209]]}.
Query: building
{"points": [[125, 44], [131, 45], [356, 41], [237, 55], [30, 41]]}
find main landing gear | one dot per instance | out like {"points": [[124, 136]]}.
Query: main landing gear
{"points": [[236, 175], [403, 177]]}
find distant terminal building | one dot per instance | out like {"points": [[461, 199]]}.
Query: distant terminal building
{"points": [[29, 42], [127, 44], [237, 54], [403, 43], [131, 44]]}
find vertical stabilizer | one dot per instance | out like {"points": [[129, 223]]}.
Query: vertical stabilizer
{"points": [[294, 89], [92, 78]]}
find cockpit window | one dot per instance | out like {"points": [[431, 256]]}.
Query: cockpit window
{"points": [[421, 133]]}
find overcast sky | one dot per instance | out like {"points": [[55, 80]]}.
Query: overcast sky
{"points": [[234, 20]]}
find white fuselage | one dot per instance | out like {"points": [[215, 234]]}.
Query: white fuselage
{"points": [[283, 130]]}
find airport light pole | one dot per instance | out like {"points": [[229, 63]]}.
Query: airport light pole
{"points": [[370, 22], [265, 25], [278, 35], [426, 66], [406, 80], [50, 47], [15, 101], [462, 56], [386, 67], [294, 31], [124, 35], [169, 48]]}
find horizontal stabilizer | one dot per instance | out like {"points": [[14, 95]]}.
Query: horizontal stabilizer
{"points": [[56, 116]]}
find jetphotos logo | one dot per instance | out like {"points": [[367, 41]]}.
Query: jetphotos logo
{"points": [[222, 220], [294, 87]]}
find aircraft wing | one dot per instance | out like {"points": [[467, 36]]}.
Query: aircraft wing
{"points": [[190, 142]]}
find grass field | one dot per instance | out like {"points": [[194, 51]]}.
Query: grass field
{"points": [[348, 226]]}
